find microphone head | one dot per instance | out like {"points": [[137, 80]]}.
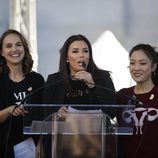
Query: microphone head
{"points": [[135, 101], [83, 64]]}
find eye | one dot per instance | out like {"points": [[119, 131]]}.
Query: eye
{"points": [[131, 63], [74, 51], [143, 63], [8, 45], [19, 44], [86, 51]]}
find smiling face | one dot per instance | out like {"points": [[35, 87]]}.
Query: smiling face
{"points": [[141, 67], [12, 49], [78, 53]]}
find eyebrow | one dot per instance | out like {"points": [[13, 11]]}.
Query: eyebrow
{"points": [[139, 60], [85, 48], [82, 48], [11, 43]]}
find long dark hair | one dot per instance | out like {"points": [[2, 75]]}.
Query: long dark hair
{"points": [[64, 66], [27, 62], [152, 54]]}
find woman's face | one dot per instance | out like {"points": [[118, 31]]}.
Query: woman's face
{"points": [[12, 49], [141, 67], [78, 53]]}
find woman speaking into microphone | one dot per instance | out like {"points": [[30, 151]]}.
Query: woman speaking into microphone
{"points": [[80, 78]]}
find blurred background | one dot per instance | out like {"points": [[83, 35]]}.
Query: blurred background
{"points": [[112, 26]]}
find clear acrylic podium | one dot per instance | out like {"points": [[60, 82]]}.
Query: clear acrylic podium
{"points": [[80, 133]]}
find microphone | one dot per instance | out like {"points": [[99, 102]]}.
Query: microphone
{"points": [[37, 90], [136, 101], [133, 98], [83, 64], [44, 86]]}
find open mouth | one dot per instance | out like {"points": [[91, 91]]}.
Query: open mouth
{"points": [[80, 63]]}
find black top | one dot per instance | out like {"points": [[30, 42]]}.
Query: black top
{"points": [[56, 93], [12, 93], [103, 93]]}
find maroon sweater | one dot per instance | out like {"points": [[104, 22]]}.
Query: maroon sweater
{"points": [[144, 141]]}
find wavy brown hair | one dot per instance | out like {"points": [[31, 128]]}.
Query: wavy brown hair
{"points": [[27, 62]]}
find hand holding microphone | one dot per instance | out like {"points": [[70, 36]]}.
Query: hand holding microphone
{"points": [[85, 76], [19, 111]]}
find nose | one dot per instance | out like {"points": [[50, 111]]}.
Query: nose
{"points": [[81, 54], [137, 66], [14, 48]]}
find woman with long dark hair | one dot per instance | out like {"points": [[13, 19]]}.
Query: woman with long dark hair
{"points": [[79, 82], [79, 74]]}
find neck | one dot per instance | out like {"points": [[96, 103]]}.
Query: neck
{"points": [[146, 87], [16, 74]]}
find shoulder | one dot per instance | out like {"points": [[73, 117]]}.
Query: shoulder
{"points": [[104, 76], [103, 73], [55, 75], [2, 74], [127, 91], [155, 89], [3, 77], [156, 86], [33, 73], [35, 76], [54, 80], [124, 94]]}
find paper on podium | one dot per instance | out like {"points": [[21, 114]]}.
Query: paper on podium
{"points": [[73, 110], [84, 121], [25, 149]]}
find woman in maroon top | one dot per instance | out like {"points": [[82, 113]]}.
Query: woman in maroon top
{"points": [[144, 71]]}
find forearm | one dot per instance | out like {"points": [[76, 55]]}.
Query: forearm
{"points": [[5, 114]]}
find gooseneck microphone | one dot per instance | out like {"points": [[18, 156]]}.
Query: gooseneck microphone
{"points": [[133, 99], [38, 89], [47, 85]]}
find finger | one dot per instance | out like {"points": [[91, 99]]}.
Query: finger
{"points": [[20, 111], [15, 113], [23, 110], [26, 112], [64, 108]]}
